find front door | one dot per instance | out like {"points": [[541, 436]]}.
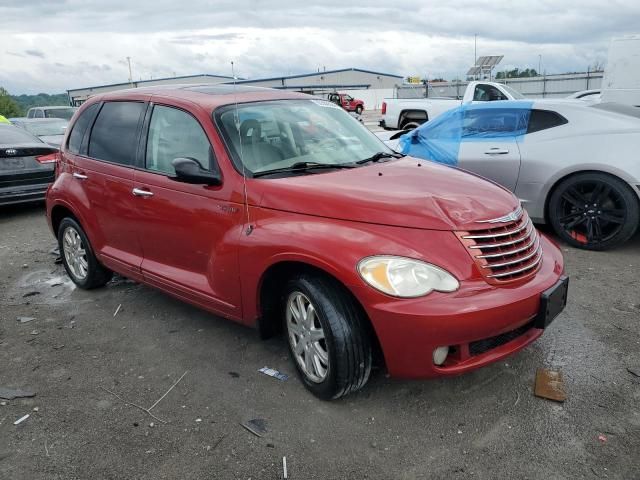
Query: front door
{"points": [[489, 144], [102, 171], [188, 232]]}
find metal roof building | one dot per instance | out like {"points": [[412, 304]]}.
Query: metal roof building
{"points": [[317, 82]]}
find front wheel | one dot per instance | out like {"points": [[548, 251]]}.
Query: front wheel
{"points": [[594, 211], [359, 109], [78, 258], [328, 337]]}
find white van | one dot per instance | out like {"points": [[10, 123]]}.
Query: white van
{"points": [[621, 82]]}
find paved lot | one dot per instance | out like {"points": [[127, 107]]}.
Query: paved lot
{"points": [[486, 424]]}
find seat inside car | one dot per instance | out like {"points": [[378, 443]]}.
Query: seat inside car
{"points": [[257, 154]]}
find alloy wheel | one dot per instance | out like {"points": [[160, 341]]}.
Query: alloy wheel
{"points": [[75, 253], [306, 337], [592, 212]]}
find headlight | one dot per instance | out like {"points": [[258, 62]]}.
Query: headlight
{"points": [[405, 277]]}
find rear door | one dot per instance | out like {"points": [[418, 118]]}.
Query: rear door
{"points": [[188, 232], [489, 144], [102, 172]]}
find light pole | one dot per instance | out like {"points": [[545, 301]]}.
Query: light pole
{"points": [[539, 64], [475, 49], [130, 76]]}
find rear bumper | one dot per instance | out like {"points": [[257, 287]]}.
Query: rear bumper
{"points": [[23, 194], [480, 323]]}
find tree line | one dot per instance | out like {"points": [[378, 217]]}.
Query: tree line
{"points": [[17, 105]]}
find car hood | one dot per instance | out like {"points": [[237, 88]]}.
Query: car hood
{"points": [[406, 192]]}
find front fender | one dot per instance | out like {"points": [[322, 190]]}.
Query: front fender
{"points": [[335, 247]]}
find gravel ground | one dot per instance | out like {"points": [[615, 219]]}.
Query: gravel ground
{"points": [[487, 424]]}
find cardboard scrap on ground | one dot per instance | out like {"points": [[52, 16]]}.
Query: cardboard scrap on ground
{"points": [[549, 385]]}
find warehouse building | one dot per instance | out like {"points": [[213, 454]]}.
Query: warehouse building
{"points": [[367, 85]]}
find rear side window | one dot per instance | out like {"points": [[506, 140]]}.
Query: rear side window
{"points": [[39, 114], [80, 127], [544, 119], [114, 136]]}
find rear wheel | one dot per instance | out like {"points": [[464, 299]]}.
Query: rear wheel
{"points": [[594, 211], [328, 337], [78, 259], [359, 109]]}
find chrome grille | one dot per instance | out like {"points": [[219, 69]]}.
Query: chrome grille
{"points": [[505, 253]]}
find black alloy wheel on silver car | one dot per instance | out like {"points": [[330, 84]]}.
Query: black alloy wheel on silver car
{"points": [[78, 258], [328, 336], [594, 211]]}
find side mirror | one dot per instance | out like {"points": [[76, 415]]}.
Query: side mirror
{"points": [[189, 170]]}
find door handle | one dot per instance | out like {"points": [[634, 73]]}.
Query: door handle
{"points": [[79, 176], [138, 192], [497, 151]]}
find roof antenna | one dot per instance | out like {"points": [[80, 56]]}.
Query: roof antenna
{"points": [[244, 176]]}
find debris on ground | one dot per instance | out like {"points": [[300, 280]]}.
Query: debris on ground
{"points": [[55, 251], [30, 294], [284, 468], [10, 394], [602, 438], [21, 419], [549, 385], [234, 374], [257, 426], [25, 319], [274, 373], [35, 332], [117, 310], [635, 371]]}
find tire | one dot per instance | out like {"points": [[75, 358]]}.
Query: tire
{"points": [[345, 341], [359, 109], [410, 124], [594, 211], [78, 258]]}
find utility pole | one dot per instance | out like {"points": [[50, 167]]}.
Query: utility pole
{"points": [[130, 76]]}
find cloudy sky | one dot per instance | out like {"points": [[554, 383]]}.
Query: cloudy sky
{"points": [[53, 45]]}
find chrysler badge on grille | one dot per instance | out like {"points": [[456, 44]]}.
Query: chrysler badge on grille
{"points": [[511, 217]]}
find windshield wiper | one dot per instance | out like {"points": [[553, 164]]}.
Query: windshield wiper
{"points": [[302, 167], [376, 157]]}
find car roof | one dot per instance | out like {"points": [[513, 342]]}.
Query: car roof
{"points": [[52, 107], [40, 120], [206, 95]]}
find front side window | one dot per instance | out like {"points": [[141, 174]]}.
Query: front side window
{"points": [[114, 136], [175, 134], [263, 136]]}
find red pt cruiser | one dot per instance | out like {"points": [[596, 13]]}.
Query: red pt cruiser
{"points": [[281, 211]]}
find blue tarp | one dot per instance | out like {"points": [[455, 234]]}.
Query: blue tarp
{"points": [[439, 139]]}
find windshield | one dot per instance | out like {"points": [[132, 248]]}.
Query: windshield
{"points": [[46, 128], [65, 113], [280, 134], [514, 93]]}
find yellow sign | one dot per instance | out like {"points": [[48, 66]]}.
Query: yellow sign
{"points": [[414, 80]]}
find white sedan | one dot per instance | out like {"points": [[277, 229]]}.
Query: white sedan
{"points": [[572, 164]]}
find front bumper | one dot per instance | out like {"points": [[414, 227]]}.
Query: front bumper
{"points": [[480, 323]]}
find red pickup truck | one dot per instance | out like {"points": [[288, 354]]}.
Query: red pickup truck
{"points": [[347, 102]]}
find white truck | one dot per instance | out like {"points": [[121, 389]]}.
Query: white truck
{"points": [[408, 113]]}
